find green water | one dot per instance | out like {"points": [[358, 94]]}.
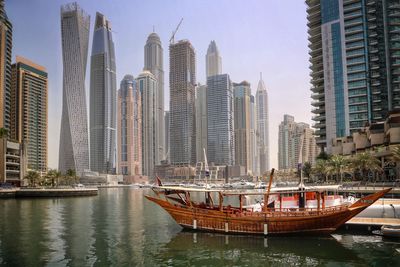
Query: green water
{"points": [[119, 227]]}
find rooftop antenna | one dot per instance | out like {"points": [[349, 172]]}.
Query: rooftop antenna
{"points": [[172, 39]]}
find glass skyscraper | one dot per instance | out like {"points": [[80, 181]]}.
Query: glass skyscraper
{"points": [[355, 64], [220, 139], [102, 99], [263, 125], [74, 147]]}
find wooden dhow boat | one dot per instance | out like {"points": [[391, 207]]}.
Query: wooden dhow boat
{"points": [[310, 215]]}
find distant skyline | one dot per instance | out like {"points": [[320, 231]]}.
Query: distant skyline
{"points": [[252, 37]]}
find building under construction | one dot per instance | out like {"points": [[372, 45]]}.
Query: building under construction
{"points": [[182, 81]]}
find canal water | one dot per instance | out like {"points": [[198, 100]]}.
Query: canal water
{"points": [[119, 227]]}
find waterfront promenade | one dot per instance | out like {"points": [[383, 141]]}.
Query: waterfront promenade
{"points": [[47, 192]]}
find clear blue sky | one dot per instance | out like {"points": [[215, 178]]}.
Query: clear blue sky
{"points": [[252, 36]]}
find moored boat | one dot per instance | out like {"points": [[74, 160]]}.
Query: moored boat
{"points": [[303, 217], [390, 231]]}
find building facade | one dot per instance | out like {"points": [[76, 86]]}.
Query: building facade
{"points": [[296, 144], [29, 111], [220, 133], [147, 85], [263, 126], [201, 121], [5, 67], [74, 146], [129, 123], [102, 99], [355, 64], [182, 79], [154, 62], [254, 145], [166, 121], [242, 124], [213, 60]]}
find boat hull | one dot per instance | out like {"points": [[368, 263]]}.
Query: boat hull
{"points": [[263, 223]]}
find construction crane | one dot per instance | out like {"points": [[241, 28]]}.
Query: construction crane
{"points": [[172, 40]]}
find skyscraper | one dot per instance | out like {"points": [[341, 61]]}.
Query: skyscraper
{"points": [[296, 143], [220, 134], [148, 88], [166, 121], [355, 64], [129, 123], [102, 98], [154, 62], [263, 126], [5, 67], [241, 96], [182, 79], [29, 111], [254, 155], [213, 60], [74, 147], [201, 121]]}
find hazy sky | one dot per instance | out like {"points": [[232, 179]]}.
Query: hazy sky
{"points": [[252, 36]]}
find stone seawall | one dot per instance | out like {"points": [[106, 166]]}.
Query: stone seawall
{"points": [[48, 192]]}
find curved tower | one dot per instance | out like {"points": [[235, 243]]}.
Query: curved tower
{"points": [[102, 98], [153, 62], [74, 147]]}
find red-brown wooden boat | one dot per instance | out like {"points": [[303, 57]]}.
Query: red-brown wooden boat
{"points": [[217, 217]]}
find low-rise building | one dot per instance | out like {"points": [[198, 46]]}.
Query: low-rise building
{"points": [[12, 162]]}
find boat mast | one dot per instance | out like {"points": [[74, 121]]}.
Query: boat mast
{"points": [[266, 196], [206, 170]]}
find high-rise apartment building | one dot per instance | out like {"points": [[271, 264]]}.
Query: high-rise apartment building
{"points": [[102, 98], [154, 62], [74, 146], [129, 123], [201, 121], [296, 144], [254, 155], [182, 79], [213, 60], [148, 88], [220, 134], [29, 111], [242, 121], [5, 67], [262, 126], [166, 121], [355, 64]]}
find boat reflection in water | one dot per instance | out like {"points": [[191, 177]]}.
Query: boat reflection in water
{"points": [[213, 249]]}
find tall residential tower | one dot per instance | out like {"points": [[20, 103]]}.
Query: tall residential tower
{"points": [[213, 60], [262, 126], [182, 80], [74, 147], [154, 62], [220, 133], [29, 111], [102, 98], [129, 124], [5, 67], [355, 64]]}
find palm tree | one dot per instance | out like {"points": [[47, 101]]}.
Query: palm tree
{"points": [[3, 132], [71, 176], [307, 167], [396, 153], [53, 175], [321, 168], [338, 165], [33, 177], [366, 162]]}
